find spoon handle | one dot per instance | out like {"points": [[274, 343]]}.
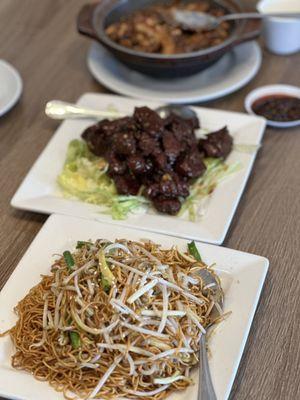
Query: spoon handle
{"points": [[61, 110], [255, 15], [205, 387]]}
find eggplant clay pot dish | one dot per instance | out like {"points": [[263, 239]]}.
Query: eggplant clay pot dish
{"points": [[138, 33]]}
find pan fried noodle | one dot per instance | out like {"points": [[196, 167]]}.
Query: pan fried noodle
{"points": [[114, 320]]}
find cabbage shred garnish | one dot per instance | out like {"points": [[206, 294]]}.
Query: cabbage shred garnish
{"points": [[84, 177], [216, 171]]}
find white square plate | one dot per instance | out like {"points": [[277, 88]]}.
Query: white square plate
{"points": [[40, 192], [242, 277]]}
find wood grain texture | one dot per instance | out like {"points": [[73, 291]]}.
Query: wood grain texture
{"points": [[40, 39]]}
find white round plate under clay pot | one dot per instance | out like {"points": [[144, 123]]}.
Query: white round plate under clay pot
{"points": [[233, 71]]}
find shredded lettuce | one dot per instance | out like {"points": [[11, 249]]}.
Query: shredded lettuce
{"points": [[246, 148], [217, 170], [84, 177], [123, 205]]}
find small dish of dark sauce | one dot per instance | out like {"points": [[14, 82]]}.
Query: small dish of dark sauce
{"points": [[278, 107]]}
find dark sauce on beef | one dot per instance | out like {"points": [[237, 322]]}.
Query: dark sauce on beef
{"points": [[278, 107], [159, 157]]}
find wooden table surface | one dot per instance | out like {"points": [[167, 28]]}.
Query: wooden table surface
{"points": [[39, 38]]}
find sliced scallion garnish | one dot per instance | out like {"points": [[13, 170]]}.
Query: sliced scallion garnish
{"points": [[69, 259], [82, 243], [75, 340], [194, 251]]}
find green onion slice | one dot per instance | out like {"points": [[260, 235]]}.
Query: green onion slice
{"points": [[194, 251], [82, 243], [75, 340], [69, 259]]}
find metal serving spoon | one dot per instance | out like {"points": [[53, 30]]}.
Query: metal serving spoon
{"points": [[205, 387], [62, 110], [57, 109], [202, 21]]}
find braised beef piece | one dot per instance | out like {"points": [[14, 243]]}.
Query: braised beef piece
{"points": [[101, 135], [167, 206], [110, 127], [171, 145], [97, 140], [124, 144], [217, 144], [194, 122], [116, 165], [183, 130], [163, 155], [147, 144], [126, 184], [160, 160], [149, 121], [190, 165], [169, 186], [139, 165]]}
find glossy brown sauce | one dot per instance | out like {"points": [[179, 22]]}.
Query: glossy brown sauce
{"points": [[151, 30], [278, 107]]}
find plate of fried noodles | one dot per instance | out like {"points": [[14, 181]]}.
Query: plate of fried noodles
{"points": [[98, 312]]}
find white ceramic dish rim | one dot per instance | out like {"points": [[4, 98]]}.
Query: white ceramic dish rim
{"points": [[39, 192], [260, 8], [266, 91], [103, 76], [243, 275], [18, 89]]}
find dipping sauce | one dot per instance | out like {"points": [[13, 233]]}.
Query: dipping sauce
{"points": [[278, 107]]}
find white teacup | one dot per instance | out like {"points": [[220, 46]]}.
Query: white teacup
{"points": [[281, 35]]}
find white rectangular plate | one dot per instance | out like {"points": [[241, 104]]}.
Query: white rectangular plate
{"points": [[40, 192], [242, 276]]}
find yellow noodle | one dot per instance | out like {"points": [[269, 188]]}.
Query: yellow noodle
{"points": [[55, 360]]}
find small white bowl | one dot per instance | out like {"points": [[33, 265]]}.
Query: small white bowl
{"points": [[281, 35], [267, 91], [10, 87]]}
